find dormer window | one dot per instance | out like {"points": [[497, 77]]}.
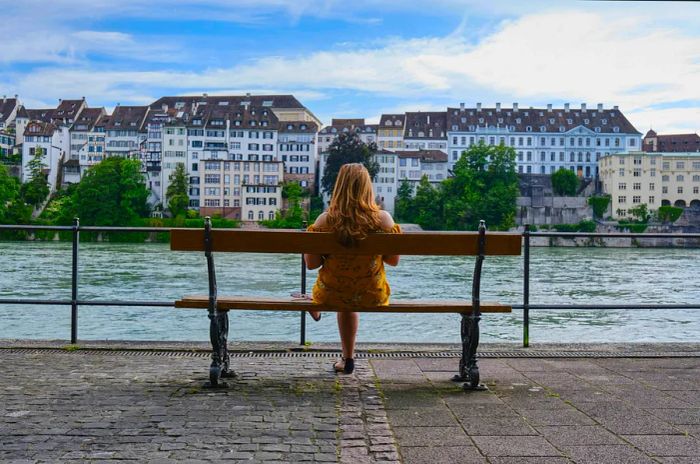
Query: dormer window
{"points": [[586, 121], [132, 123], [398, 123], [597, 129], [616, 129], [302, 127], [235, 123], [551, 120], [518, 120], [117, 123], [481, 120], [569, 121], [543, 129], [264, 123], [472, 128], [455, 127], [527, 114], [603, 121], [562, 128], [528, 129], [197, 122], [463, 119], [264, 112], [500, 120], [290, 127], [388, 123], [334, 130]]}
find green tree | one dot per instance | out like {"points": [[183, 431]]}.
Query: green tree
{"points": [[293, 216], [564, 182], [641, 213], [12, 208], [669, 213], [403, 204], [348, 148], [112, 193], [36, 189], [599, 205], [176, 194], [484, 185], [427, 206]]}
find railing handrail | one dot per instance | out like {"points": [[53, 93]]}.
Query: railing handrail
{"points": [[527, 234]]}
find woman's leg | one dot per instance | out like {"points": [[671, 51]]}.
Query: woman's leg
{"points": [[347, 328]]}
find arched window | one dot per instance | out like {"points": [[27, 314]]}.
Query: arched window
{"points": [[261, 215], [250, 215], [271, 215]]}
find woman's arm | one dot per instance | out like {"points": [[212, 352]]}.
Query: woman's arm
{"points": [[387, 223], [315, 261]]}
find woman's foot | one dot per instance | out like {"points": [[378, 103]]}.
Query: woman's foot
{"points": [[315, 315], [345, 365]]}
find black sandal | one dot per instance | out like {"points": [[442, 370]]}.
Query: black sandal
{"points": [[311, 313], [348, 366]]}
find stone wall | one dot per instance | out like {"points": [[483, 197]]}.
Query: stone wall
{"points": [[552, 210]]}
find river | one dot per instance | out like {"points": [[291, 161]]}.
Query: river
{"points": [[110, 271]]}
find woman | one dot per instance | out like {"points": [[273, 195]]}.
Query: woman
{"points": [[351, 281]]}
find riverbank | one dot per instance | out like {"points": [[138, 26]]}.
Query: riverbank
{"points": [[135, 406]]}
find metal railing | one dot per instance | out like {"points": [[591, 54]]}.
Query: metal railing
{"points": [[526, 306]]}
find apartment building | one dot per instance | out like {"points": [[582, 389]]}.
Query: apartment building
{"points": [[390, 131], [654, 179], [413, 165], [385, 184], [124, 132], [425, 131], [86, 145], [296, 148], [668, 143], [545, 139], [52, 142], [8, 111], [366, 132]]}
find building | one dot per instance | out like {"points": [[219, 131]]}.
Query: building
{"points": [[385, 184], [545, 139], [390, 131], [52, 142], [413, 165], [86, 147], [124, 132], [326, 136], [655, 179], [296, 148], [671, 143], [8, 111], [426, 131]]}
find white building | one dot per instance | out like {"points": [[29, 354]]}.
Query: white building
{"points": [[413, 165], [52, 142], [655, 179], [85, 149], [384, 183], [545, 140], [123, 131], [8, 111], [296, 148]]}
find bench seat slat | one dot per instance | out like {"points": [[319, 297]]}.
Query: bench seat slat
{"points": [[297, 304]]}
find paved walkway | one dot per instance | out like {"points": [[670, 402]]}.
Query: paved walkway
{"points": [[149, 407]]}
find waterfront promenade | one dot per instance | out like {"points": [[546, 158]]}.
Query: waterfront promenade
{"points": [[147, 405]]}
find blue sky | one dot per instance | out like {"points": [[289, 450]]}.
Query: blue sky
{"points": [[364, 59]]}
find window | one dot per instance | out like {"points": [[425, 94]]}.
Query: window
{"points": [[680, 165], [636, 199], [680, 178], [680, 189], [622, 186], [664, 189], [696, 190], [666, 165], [652, 172], [651, 186], [652, 200], [622, 199], [696, 178], [637, 172], [622, 172], [664, 178]]}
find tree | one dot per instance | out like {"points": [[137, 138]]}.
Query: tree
{"points": [[9, 194], [599, 205], [484, 186], [36, 189], [348, 148], [427, 205], [293, 216], [403, 204], [112, 193], [564, 183], [176, 194], [641, 212]]}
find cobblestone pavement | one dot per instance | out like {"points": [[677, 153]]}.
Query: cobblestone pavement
{"points": [[62, 406]]}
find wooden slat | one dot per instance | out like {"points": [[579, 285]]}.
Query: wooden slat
{"points": [[294, 241], [292, 304]]}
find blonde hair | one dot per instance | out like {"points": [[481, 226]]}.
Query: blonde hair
{"points": [[353, 213]]}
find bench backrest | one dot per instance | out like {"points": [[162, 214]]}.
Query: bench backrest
{"points": [[295, 241]]}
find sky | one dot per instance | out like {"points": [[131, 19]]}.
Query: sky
{"points": [[362, 58]]}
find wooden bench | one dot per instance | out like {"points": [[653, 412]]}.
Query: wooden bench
{"points": [[479, 244]]}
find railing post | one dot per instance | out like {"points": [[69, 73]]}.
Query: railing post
{"points": [[302, 327], [74, 284], [526, 287]]}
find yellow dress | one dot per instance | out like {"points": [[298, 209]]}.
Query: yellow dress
{"points": [[352, 281]]}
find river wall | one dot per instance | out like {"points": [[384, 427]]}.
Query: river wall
{"points": [[552, 210]]}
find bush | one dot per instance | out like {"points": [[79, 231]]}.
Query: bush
{"points": [[669, 213], [599, 205], [564, 182], [582, 226]]}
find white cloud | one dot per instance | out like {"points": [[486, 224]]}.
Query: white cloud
{"points": [[623, 60]]}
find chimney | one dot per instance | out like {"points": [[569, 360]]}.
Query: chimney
{"points": [[247, 94], [461, 107], [566, 107], [498, 106], [164, 107], [478, 106], [600, 107], [549, 107], [205, 95], [616, 107], [83, 98], [515, 106], [428, 118], [583, 107]]}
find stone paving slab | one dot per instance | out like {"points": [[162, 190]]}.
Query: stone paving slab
{"points": [[102, 406]]}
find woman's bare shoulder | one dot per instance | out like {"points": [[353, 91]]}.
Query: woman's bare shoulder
{"points": [[321, 220], [386, 221]]}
